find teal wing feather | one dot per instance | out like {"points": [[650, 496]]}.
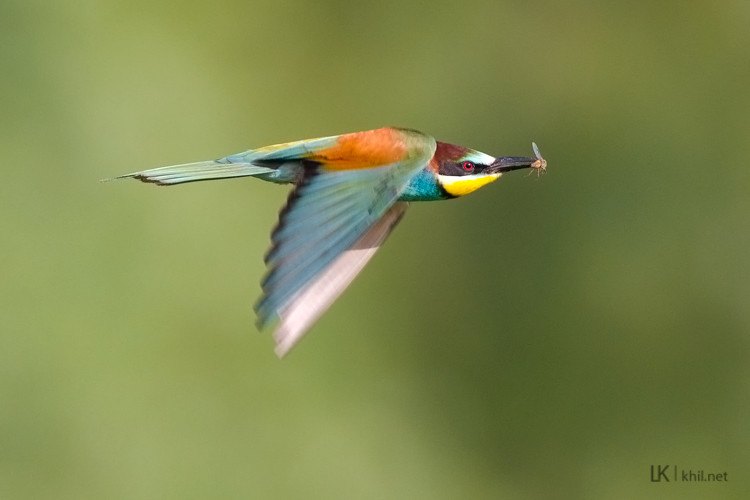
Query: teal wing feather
{"points": [[326, 214], [314, 298]]}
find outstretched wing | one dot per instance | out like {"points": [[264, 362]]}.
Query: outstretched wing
{"points": [[335, 219], [312, 300]]}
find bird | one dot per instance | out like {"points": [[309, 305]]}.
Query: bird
{"points": [[349, 193]]}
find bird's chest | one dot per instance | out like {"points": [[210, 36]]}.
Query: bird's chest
{"points": [[424, 187]]}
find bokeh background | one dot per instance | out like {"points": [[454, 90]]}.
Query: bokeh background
{"points": [[542, 338]]}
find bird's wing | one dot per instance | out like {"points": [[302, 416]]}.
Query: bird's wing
{"points": [[312, 300], [338, 214]]}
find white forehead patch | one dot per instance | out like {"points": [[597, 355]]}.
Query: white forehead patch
{"points": [[478, 157]]}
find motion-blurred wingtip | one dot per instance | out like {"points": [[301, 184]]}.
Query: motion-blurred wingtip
{"points": [[281, 350], [285, 341]]}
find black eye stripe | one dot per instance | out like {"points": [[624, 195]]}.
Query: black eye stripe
{"points": [[461, 167]]}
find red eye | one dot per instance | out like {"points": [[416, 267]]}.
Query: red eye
{"points": [[468, 166]]}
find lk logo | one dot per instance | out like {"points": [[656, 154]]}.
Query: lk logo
{"points": [[659, 473]]}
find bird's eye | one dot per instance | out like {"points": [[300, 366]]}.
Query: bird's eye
{"points": [[468, 166]]}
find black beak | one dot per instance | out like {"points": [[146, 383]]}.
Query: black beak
{"points": [[510, 163]]}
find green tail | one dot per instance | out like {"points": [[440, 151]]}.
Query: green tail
{"points": [[199, 171]]}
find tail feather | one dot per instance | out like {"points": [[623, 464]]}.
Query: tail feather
{"points": [[199, 171]]}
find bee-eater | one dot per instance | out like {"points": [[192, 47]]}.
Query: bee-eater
{"points": [[349, 193]]}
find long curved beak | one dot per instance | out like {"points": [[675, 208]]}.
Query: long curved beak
{"points": [[510, 163]]}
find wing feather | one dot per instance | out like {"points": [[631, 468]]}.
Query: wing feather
{"points": [[322, 241], [336, 204], [309, 303]]}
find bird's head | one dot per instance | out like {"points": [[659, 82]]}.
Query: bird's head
{"points": [[461, 170]]}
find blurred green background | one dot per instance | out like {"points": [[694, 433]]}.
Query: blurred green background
{"points": [[542, 338]]}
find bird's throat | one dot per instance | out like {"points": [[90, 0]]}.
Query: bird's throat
{"points": [[463, 185]]}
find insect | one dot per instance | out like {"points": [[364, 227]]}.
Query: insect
{"points": [[349, 193], [540, 165]]}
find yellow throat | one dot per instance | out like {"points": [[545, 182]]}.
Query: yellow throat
{"points": [[463, 185]]}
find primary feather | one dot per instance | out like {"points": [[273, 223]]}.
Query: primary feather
{"points": [[305, 307]]}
